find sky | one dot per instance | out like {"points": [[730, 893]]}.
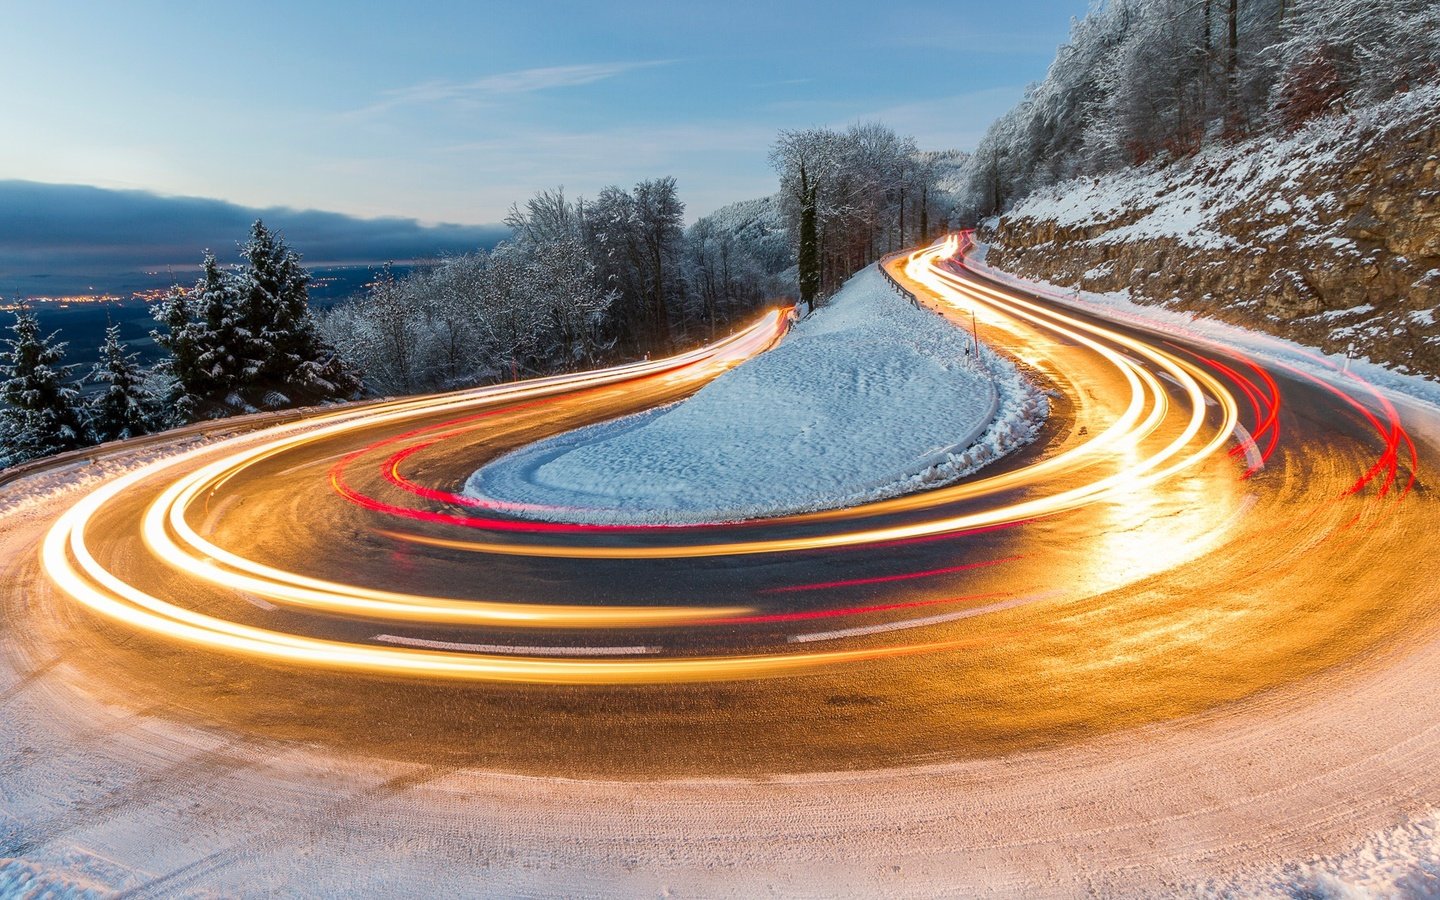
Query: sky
{"points": [[450, 112]]}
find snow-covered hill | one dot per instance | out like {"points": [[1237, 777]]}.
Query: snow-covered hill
{"points": [[867, 398], [1329, 235]]}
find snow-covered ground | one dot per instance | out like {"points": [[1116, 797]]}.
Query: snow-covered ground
{"points": [[867, 398], [98, 799], [1188, 201]]}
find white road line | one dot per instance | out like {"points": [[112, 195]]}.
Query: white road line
{"points": [[917, 623], [259, 601], [214, 515], [1252, 452], [1209, 400], [514, 651], [313, 462]]}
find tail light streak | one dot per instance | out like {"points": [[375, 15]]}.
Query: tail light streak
{"points": [[1203, 419]]}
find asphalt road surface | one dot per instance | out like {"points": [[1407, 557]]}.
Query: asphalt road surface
{"points": [[1185, 634]]}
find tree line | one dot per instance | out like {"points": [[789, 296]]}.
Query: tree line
{"points": [[242, 339], [850, 196], [579, 283], [1156, 80], [586, 281]]}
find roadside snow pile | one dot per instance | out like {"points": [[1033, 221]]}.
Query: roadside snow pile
{"points": [[1403, 861], [98, 465], [75, 875], [868, 398]]}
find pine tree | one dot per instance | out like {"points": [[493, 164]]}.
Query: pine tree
{"points": [[273, 285], [285, 341], [41, 414], [181, 339], [126, 408], [223, 339]]}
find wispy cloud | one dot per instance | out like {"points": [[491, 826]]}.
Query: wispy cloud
{"points": [[786, 82], [490, 87]]}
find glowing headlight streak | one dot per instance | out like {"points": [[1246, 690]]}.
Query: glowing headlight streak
{"points": [[203, 556], [1124, 429], [204, 560], [1128, 428], [113, 598], [1195, 383], [169, 535], [208, 561]]}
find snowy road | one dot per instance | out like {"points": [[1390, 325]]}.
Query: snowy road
{"points": [[1183, 640]]}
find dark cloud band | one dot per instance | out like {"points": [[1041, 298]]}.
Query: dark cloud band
{"points": [[60, 230]]}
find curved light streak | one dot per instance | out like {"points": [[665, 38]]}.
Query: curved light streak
{"points": [[174, 540], [1125, 435]]}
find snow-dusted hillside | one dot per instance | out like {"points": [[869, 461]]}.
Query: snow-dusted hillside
{"points": [[869, 397], [758, 232], [1329, 235]]}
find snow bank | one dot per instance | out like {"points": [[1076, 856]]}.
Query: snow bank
{"points": [[70, 873], [868, 398]]}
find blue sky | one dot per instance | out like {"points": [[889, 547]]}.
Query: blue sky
{"points": [[449, 112]]}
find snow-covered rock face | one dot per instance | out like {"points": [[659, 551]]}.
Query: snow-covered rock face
{"points": [[869, 397], [1329, 236]]}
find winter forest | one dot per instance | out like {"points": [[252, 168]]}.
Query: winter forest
{"points": [[1151, 81], [579, 283], [585, 281], [242, 339], [589, 281]]}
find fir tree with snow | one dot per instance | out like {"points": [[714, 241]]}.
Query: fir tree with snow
{"points": [[41, 415], [224, 362], [180, 338], [285, 345], [126, 407], [244, 338]]}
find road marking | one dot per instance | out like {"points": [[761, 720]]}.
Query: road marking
{"points": [[1209, 401], [1252, 453], [917, 623], [214, 515], [309, 463], [258, 601], [514, 651]]}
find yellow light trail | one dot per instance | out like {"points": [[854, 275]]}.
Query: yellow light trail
{"points": [[174, 541], [1122, 437]]}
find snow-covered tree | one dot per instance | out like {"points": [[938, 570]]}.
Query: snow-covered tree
{"points": [[126, 407], [244, 338], [635, 239], [1137, 80], [384, 332], [40, 414], [284, 343], [563, 280], [738, 259], [1334, 53], [180, 369], [225, 360], [547, 216], [846, 196], [1154, 80]]}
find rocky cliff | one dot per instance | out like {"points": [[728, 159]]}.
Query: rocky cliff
{"points": [[1329, 235]]}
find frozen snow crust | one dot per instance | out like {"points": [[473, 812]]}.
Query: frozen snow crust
{"points": [[867, 398]]}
